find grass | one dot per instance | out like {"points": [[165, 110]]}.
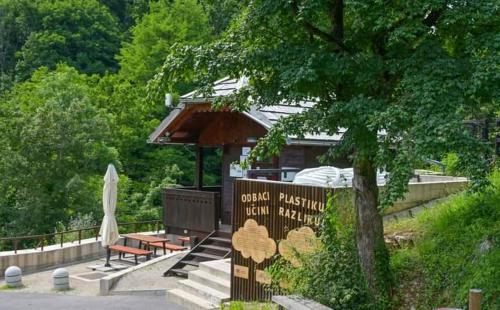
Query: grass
{"points": [[5, 287], [240, 305], [456, 248]]}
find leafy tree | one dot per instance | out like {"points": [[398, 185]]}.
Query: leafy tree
{"points": [[399, 75], [124, 94], [221, 13], [127, 11], [54, 151], [17, 20], [82, 34], [167, 23]]}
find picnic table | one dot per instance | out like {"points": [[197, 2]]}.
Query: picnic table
{"points": [[146, 240]]}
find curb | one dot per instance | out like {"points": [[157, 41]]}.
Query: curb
{"points": [[107, 283]]}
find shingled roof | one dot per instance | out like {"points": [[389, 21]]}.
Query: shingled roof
{"points": [[266, 116]]}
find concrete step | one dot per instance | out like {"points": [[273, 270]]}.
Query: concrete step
{"points": [[189, 301], [217, 268], [220, 239], [179, 272], [205, 278], [206, 255], [215, 247], [209, 294], [191, 263]]}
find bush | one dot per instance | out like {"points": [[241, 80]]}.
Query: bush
{"points": [[332, 275], [457, 248], [452, 164]]}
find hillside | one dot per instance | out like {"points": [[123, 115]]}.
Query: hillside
{"points": [[456, 246]]}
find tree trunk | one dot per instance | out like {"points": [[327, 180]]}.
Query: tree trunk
{"points": [[372, 252]]}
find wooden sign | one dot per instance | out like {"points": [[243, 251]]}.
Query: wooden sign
{"points": [[270, 219]]}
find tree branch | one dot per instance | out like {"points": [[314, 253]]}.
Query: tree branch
{"points": [[313, 30], [337, 19]]}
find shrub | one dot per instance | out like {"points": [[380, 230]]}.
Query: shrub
{"points": [[332, 275], [457, 248]]}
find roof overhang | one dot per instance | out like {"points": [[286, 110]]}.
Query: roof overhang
{"points": [[265, 116]]}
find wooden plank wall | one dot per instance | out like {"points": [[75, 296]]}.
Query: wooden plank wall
{"points": [[289, 206], [190, 210]]}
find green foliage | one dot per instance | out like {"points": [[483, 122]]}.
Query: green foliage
{"points": [[166, 24], [399, 76], [80, 221], [332, 275], [394, 68], [451, 163], [221, 13], [17, 20], [54, 142], [239, 305], [127, 11], [61, 128], [82, 34], [457, 247]]}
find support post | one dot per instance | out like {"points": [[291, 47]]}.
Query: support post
{"points": [[475, 296], [108, 257], [198, 178]]}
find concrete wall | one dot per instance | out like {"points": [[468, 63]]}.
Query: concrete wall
{"points": [[418, 193], [54, 255]]}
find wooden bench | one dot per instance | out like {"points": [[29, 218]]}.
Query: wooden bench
{"points": [[184, 240], [166, 246], [121, 249], [294, 302]]}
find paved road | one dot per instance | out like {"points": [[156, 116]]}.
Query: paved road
{"points": [[26, 301]]}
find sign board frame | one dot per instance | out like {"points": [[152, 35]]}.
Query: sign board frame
{"points": [[263, 215]]}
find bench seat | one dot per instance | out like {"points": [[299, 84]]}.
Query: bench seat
{"points": [[184, 239], [168, 246], [130, 250]]}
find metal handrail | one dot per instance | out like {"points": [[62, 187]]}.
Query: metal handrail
{"points": [[42, 238]]}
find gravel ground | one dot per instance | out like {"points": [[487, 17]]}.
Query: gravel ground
{"points": [[41, 282], [150, 277], [146, 278]]}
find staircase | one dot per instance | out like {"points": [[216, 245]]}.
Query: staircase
{"points": [[205, 288], [216, 246]]}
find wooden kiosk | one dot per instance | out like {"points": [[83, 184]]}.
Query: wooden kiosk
{"points": [[201, 210]]}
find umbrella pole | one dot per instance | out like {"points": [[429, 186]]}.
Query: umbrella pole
{"points": [[108, 256]]}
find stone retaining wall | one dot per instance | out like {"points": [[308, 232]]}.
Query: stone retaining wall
{"points": [[418, 192]]}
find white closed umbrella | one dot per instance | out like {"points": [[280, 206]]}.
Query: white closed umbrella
{"points": [[109, 228]]}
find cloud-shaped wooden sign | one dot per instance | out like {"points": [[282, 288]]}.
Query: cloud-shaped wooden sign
{"points": [[252, 240], [302, 240]]}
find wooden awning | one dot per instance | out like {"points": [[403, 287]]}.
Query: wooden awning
{"points": [[200, 124], [187, 122]]}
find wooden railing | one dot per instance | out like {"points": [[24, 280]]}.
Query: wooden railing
{"points": [[191, 209], [58, 237]]}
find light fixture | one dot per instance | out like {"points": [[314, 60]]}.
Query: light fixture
{"points": [[168, 100]]}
